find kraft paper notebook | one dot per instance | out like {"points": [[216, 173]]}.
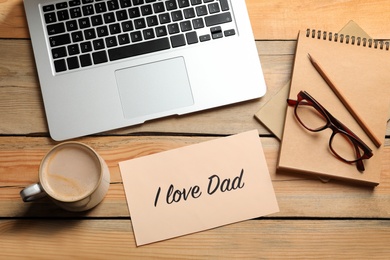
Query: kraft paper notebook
{"points": [[360, 68], [273, 112]]}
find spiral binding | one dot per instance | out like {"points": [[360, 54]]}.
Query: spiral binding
{"points": [[370, 43]]}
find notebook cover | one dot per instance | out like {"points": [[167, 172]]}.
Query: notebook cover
{"points": [[362, 75]]}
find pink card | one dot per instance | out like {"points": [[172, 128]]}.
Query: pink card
{"points": [[198, 187]]}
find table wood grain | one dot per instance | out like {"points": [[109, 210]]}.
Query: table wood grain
{"points": [[316, 220]]}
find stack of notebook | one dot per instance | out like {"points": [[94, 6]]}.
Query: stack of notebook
{"points": [[359, 68]]}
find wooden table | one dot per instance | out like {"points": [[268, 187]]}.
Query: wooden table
{"points": [[316, 220]]}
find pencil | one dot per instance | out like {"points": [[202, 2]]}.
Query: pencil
{"points": [[345, 102]]}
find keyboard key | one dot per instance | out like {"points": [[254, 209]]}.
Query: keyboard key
{"points": [[109, 17], [198, 23], [113, 5], [139, 23], [158, 8], [224, 5], [74, 3], [98, 44], [123, 39], [121, 15], [99, 57], [218, 19], [59, 40], [161, 31], [114, 28], [75, 12], [216, 32], [73, 63], [111, 42], [185, 26], [50, 18], [63, 15], [89, 34], [214, 8], [73, 49], [178, 40], [88, 10], [183, 3], [134, 12], [201, 10], [55, 28], [102, 31], [196, 2], [71, 25], [192, 37], [86, 47], [189, 13], [58, 52], [85, 60], [139, 49], [138, 2], [77, 36], [173, 28], [100, 7], [48, 8], [146, 10], [217, 35], [84, 23], [125, 3], [148, 34], [136, 36], [164, 18], [205, 37], [230, 32], [61, 5], [97, 20], [60, 65], [152, 20], [216, 29], [171, 5], [177, 16], [127, 26]]}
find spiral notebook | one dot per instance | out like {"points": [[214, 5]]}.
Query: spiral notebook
{"points": [[360, 68]]}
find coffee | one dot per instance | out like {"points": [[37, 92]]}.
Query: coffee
{"points": [[70, 173]]}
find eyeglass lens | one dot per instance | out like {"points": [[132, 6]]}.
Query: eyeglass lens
{"points": [[314, 120]]}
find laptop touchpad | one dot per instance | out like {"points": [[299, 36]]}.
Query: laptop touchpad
{"points": [[154, 87]]}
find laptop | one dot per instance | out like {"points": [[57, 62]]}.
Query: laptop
{"points": [[108, 64]]}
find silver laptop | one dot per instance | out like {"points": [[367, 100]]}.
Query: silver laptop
{"points": [[107, 64]]}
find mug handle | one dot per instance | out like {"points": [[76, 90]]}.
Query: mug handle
{"points": [[32, 192]]}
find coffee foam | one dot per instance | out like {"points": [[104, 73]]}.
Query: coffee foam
{"points": [[71, 173]]}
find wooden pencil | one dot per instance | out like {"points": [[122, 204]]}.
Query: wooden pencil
{"points": [[345, 102]]}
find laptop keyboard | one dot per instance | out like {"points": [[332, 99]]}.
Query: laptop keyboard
{"points": [[84, 33]]}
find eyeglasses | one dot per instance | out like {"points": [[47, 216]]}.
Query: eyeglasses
{"points": [[343, 143]]}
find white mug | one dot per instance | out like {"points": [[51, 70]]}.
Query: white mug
{"points": [[73, 175]]}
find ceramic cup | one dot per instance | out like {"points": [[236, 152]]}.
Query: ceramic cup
{"points": [[73, 175]]}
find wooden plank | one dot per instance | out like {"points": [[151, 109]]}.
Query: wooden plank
{"points": [[270, 19], [276, 239], [13, 23], [298, 195], [20, 96], [282, 19]]}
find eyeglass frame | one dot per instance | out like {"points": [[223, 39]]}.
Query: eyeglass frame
{"points": [[336, 126]]}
